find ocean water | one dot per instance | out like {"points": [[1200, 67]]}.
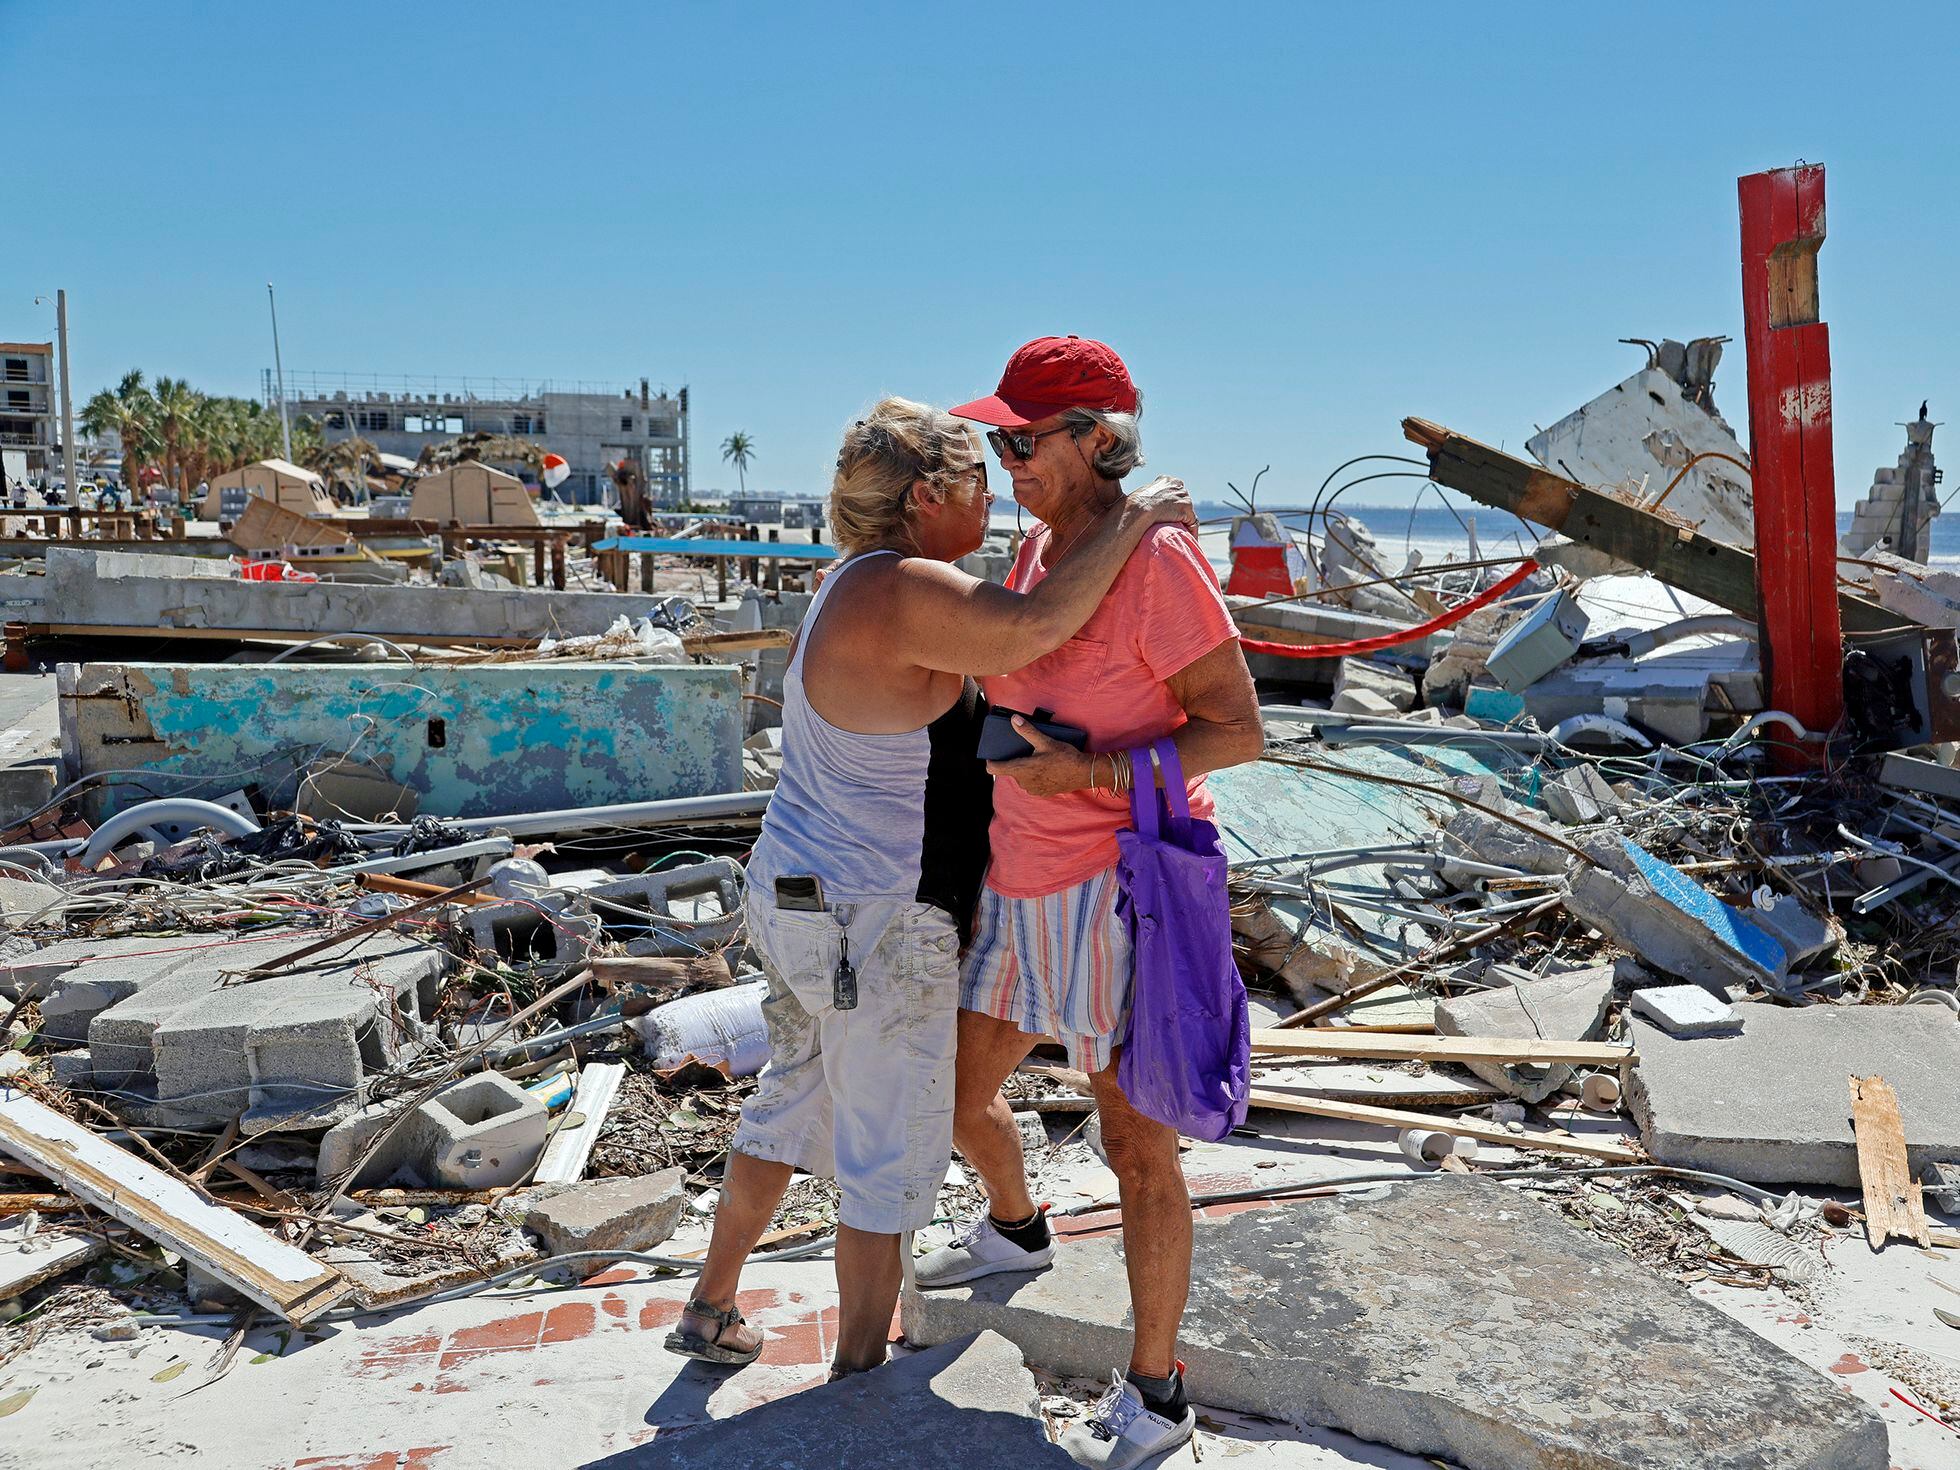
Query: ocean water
{"points": [[1440, 532]]}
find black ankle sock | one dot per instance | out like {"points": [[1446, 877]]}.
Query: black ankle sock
{"points": [[1162, 1396], [1030, 1234]]}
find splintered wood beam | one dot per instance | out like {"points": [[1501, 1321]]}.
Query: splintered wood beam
{"points": [[1655, 541], [1893, 1204], [1308, 1042], [273, 1273], [1397, 1119]]}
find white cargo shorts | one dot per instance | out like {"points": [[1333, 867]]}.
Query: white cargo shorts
{"points": [[864, 1096]]}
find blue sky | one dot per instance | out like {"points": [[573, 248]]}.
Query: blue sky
{"points": [[1298, 223]]}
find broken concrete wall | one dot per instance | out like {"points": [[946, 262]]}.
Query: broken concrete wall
{"points": [[113, 589], [1638, 435], [470, 741]]}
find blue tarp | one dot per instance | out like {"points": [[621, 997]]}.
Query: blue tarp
{"points": [[677, 546]]}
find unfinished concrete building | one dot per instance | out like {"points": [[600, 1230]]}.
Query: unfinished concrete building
{"points": [[593, 427]]}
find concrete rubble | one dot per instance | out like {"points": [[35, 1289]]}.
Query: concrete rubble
{"points": [[1565, 1007], [632, 1214]]}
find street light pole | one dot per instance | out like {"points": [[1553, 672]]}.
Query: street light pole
{"points": [[67, 402], [285, 427]]}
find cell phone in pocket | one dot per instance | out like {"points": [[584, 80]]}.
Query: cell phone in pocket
{"points": [[802, 891]]}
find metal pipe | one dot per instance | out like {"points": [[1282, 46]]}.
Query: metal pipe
{"points": [[1414, 734], [435, 857], [106, 838], [1710, 625], [1565, 729], [596, 818]]}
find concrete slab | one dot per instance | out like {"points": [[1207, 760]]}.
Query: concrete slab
{"points": [[1771, 1104], [1567, 1007], [631, 1214], [1482, 838], [1654, 910], [124, 590], [1455, 1318], [966, 1405], [1686, 1010]]}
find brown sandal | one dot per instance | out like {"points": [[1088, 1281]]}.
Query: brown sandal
{"points": [[715, 1345]]}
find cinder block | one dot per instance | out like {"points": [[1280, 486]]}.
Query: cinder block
{"points": [[1362, 702], [1546, 637], [479, 1133], [341, 1144], [1392, 684], [662, 895], [1579, 796], [553, 934]]}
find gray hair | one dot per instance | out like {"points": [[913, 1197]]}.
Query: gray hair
{"points": [[1126, 453]]}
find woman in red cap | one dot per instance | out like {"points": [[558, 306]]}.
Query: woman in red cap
{"points": [[1050, 955]]}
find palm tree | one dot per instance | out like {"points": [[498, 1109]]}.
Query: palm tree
{"points": [[738, 449], [130, 413], [177, 412]]}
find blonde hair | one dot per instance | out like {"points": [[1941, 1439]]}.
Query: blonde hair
{"points": [[896, 443]]}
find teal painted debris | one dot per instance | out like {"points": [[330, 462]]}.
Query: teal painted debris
{"points": [[470, 741]]}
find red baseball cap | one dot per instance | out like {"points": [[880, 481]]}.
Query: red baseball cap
{"points": [[1051, 374]]}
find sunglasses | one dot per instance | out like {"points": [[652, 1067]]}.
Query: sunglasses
{"points": [[1022, 445]]}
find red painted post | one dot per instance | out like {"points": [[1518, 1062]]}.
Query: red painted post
{"points": [[1795, 491]]}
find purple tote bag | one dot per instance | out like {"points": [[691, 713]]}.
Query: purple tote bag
{"points": [[1188, 1060]]}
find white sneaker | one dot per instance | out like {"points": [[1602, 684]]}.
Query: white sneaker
{"points": [[979, 1250], [1120, 1432]]}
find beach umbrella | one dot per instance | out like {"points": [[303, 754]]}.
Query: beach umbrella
{"points": [[555, 471]]}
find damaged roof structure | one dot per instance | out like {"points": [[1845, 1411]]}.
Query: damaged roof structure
{"points": [[378, 1006]]}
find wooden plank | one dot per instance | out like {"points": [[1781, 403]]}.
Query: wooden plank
{"points": [[278, 1276], [706, 643], [1669, 548], [570, 1145], [1378, 1046], [1893, 1205], [697, 972], [1442, 1123]]}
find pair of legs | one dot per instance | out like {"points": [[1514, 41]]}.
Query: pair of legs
{"points": [[1142, 1154], [868, 1267]]}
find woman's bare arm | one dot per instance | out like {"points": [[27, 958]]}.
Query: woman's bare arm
{"points": [[945, 619]]}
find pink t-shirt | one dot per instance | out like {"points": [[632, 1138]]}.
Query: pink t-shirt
{"points": [[1163, 612]]}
